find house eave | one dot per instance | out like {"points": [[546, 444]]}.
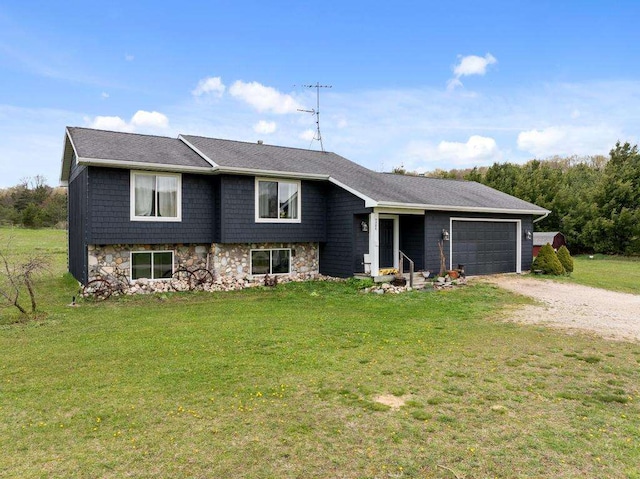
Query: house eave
{"points": [[141, 165], [198, 151], [269, 173], [65, 167], [468, 209]]}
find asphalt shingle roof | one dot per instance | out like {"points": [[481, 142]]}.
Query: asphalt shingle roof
{"points": [[111, 145], [380, 187]]}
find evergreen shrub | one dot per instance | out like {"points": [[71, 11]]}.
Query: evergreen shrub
{"points": [[565, 259], [547, 261]]}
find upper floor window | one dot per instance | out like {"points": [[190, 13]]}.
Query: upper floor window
{"points": [[277, 201], [156, 196]]}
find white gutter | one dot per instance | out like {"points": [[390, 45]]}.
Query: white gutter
{"points": [[277, 174], [542, 217], [142, 165], [470, 209]]}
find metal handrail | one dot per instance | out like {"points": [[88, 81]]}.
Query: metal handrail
{"points": [[411, 267]]}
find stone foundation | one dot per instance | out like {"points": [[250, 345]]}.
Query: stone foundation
{"points": [[233, 260], [229, 263]]}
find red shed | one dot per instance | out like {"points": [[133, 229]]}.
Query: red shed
{"points": [[554, 238]]}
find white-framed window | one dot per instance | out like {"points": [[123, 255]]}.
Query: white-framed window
{"points": [[277, 201], [156, 196], [271, 261], [151, 264]]}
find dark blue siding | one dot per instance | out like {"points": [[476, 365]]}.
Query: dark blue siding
{"points": [[435, 222], [338, 255], [77, 218], [412, 240], [109, 209], [237, 211], [360, 242]]}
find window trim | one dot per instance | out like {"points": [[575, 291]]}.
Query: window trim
{"points": [[298, 183], [132, 197], [270, 250], [153, 252]]}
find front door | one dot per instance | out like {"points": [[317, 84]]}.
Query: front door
{"points": [[386, 243]]}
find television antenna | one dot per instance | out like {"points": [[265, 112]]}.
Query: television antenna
{"points": [[317, 136]]}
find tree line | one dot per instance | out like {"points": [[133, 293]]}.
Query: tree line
{"points": [[33, 204], [594, 201]]}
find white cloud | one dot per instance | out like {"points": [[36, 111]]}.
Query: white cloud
{"points": [[423, 156], [307, 135], [540, 141], [104, 95], [570, 140], [113, 123], [264, 98], [147, 121], [265, 127], [129, 57], [209, 85], [476, 148], [470, 65]]}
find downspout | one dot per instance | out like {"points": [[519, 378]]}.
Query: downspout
{"points": [[542, 217]]}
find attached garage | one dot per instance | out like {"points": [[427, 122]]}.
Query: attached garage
{"points": [[485, 246]]}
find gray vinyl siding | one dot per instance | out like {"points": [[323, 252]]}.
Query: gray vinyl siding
{"points": [[77, 220], [412, 240], [435, 222], [238, 220], [338, 255], [109, 212]]}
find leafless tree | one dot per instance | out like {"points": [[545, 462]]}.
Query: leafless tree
{"points": [[19, 275]]}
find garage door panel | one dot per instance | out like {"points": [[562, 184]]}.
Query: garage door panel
{"points": [[484, 247]]}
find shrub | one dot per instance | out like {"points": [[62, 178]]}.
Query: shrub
{"points": [[565, 259], [547, 261]]}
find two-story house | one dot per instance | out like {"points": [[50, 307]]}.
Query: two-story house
{"points": [[151, 204]]}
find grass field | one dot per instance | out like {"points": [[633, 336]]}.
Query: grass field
{"points": [[609, 272], [282, 383]]}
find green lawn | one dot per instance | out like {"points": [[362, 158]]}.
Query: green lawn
{"points": [[609, 272], [282, 383], [616, 273]]}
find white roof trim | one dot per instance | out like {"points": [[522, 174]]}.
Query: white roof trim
{"points": [[270, 173], [131, 165], [368, 202], [199, 152], [65, 173], [470, 209]]}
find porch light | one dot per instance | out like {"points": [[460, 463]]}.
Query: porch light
{"points": [[528, 234], [445, 235], [364, 226]]}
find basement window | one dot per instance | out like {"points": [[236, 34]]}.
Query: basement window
{"points": [[270, 261], [152, 265]]}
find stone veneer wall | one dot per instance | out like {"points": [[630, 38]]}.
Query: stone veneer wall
{"points": [[108, 257], [233, 260], [230, 263]]}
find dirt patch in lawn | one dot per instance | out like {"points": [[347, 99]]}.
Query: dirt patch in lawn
{"points": [[394, 402], [574, 307]]}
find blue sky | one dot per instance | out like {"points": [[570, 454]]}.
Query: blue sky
{"points": [[425, 84]]}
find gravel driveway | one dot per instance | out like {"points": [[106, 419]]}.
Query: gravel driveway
{"points": [[570, 306]]}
